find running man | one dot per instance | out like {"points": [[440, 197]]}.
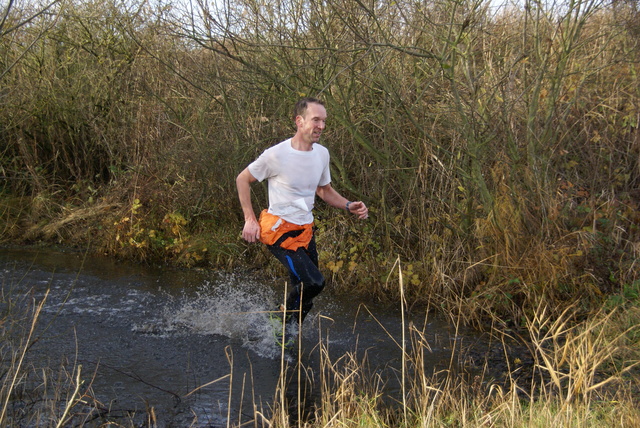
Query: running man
{"points": [[296, 170]]}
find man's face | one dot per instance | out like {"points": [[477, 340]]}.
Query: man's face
{"points": [[311, 125]]}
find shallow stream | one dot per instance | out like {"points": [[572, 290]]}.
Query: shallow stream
{"points": [[193, 347]]}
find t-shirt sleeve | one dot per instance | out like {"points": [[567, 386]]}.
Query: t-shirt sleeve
{"points": [[325, 178], [259, 168]]}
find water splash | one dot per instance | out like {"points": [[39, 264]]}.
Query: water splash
{"points": [[233, 307]]}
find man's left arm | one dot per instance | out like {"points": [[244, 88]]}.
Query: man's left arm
{"points": [[328, 194]]}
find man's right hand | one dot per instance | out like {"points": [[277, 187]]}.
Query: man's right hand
{"points": [[251, 231]]}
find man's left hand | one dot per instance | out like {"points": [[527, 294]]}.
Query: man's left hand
{"points": [[359, 209]]}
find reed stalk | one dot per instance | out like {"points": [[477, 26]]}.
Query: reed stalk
{"points": [[16, 373]]}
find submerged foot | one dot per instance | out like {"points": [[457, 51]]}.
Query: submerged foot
{"points": [[285, 332]]}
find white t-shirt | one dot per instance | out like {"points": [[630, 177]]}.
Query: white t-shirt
{"points": [[293, 178]]}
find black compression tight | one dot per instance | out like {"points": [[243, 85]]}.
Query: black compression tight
{"points": [[306, 279]]}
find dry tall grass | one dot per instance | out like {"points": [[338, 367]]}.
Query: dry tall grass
{"points": [[584, 374]]}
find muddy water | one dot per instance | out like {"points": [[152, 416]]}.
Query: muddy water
{"points": [[169, 339]]}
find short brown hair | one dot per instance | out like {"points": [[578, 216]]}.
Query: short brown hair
{"points": [[301, 106]]}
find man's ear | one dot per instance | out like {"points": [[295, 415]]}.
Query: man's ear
{"points": [[299, 120]]}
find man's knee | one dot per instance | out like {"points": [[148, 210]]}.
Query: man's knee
{"points": [[312, 288]]}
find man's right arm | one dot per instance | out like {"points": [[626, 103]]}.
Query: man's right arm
{"points": [[251, 230]]}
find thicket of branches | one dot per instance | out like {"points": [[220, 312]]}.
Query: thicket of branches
{"points": [[497, 148]]}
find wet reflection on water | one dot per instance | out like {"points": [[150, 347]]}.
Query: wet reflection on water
{"points": [[195, 346]]}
